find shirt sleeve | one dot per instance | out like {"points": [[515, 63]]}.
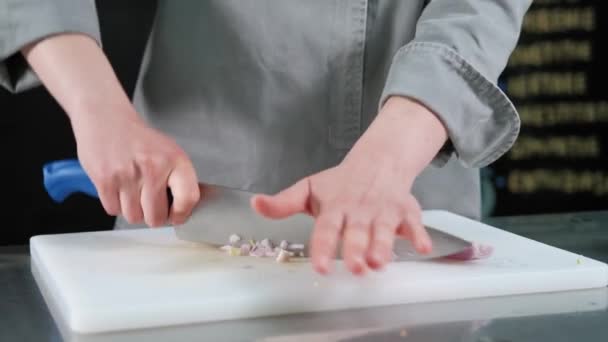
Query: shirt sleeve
{"points": [[452, 67], [25, 21]]}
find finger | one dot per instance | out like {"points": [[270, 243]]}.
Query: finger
{"points": [[412, 227], [324, 240], [185, 190], [154, 171], [383, 240], [153, 199], [154, 203], [110, 200], [356, 237], [130, 204], [288, 202]]}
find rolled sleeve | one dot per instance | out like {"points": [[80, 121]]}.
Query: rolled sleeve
{"points": [[25, 21], [452, 67]]}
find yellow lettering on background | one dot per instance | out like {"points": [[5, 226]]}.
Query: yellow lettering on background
{"points": [[553, 2], [527, 147], [551, 53], [565, 181], [547, 84], [552, 20], [563, 113]]}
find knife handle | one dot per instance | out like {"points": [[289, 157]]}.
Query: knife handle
{"points": [[62, 178]]}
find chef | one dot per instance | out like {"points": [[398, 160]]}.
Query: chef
{"points": [[360, 113]]}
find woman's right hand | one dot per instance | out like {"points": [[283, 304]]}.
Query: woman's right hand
{"points": [[132, 165]]}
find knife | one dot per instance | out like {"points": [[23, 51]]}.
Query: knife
{"points": [[226, 211]]}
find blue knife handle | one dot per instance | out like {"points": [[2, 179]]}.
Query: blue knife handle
{"points": [[62, 178]]}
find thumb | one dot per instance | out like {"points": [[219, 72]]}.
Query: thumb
{"points": [[288, 202]]}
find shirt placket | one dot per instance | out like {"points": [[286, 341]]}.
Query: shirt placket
{"points": [[348, 81]]}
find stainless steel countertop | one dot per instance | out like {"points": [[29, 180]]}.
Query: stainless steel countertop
{"points": [[567, 316]]}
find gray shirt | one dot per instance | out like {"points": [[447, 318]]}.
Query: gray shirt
{"points": [[261, 93]]}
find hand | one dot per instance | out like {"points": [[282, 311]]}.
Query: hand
{"points": [[367, 208], [132, 165], [366, 199]]}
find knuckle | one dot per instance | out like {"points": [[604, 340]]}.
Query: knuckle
{"points": [[323, 240], [356, 243], [395, 209], [356, 235], [412, 208], [412, 218], [358, 221], [151, 164], [385, 230], [122, 172], [386, 223], [392, 214], [330, 223], [381, 249], [384, 237], [192, 197], [105, 181], [383, 241]]}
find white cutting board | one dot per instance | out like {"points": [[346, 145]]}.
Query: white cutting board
{"points": [[130, 279]]}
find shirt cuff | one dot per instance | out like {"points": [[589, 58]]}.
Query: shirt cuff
{"points": [[25, 21], [481, 122]]}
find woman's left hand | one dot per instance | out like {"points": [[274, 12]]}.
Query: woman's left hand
{"points": [[365, 201]]}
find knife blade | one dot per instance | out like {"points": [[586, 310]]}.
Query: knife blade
{"points": [[225, 211]]}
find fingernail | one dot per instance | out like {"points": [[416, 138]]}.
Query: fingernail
{"points": [[424, 246], [323, 265], [374, 265], [376, 260], [358, 265]]}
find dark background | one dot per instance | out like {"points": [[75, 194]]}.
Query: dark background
{"points": [[572, 180], [35, 131]]}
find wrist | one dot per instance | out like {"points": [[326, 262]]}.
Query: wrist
{"points": [[85, 111], [403, 139]]}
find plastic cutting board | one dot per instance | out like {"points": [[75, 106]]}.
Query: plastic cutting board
{"points": [[132, 279]]}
